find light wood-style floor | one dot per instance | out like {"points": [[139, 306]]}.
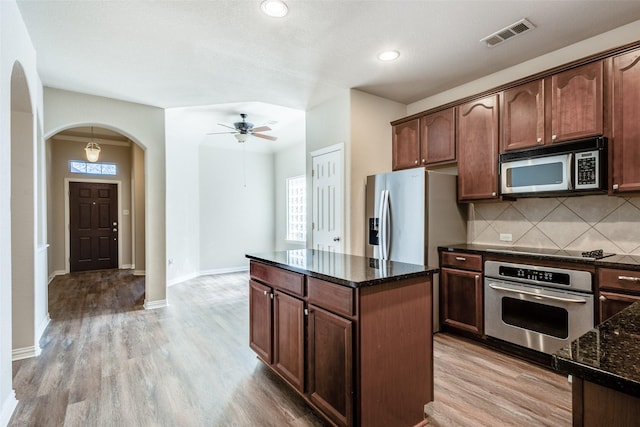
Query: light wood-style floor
{"points": [[108, 362]]}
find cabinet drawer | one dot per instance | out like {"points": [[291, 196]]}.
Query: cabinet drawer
{"points": [[619, 279], [287, 281], [336, 298], [462, 260]]}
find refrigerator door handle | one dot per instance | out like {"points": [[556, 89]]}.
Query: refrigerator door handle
{"points": [[385, 225]]}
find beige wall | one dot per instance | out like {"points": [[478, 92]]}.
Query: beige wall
{"points": [[137, 213], [61, 153]]}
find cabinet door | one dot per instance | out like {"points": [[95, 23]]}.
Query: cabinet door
{"points": [[288, 338], [612, 303], [523, 116], [478, 149], [576, 103], [330, 363], [438, 137], [406, 145], [462, 300], [625, 143], [260, 312]]}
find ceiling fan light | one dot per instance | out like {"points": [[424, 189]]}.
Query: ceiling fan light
{"points": [[241, 137], [274, 8]]}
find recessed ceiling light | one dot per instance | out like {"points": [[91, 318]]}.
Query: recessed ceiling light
{"points": [[389, 55], [274, 8]]}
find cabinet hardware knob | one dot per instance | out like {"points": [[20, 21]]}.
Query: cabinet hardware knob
{"points": [[477, 277], [493, 194], [424, 161], [554, 137], [415, 162], [460, 258], [306, 311], [602, 298], [615, 186], [539, 140], [336, 239], [265, 293]]}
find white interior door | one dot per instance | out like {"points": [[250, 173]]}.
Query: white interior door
{"points": [[327, 204]]}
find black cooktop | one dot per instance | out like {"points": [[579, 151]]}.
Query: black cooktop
{"points": [[590, 255]]}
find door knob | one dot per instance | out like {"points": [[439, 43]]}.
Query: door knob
{"points": [[336, 239]]}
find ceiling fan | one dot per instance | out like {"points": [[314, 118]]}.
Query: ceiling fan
{"points": [[242, 130]]}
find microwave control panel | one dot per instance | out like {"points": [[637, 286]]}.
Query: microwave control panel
{"points": [[587, 170]]}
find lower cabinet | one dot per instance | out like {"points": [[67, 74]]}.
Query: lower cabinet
{"points": [[330, 364], [461, 292], [618, 289], [288, 338], [360, 356]]}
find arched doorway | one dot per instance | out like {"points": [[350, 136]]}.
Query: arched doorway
{"points": [[120, 167], [25, 285]]}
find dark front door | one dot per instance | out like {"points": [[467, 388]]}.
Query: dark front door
{"points": [[93, 226]]}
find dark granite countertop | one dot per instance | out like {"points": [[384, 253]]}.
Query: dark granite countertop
{"points": [[348, 270], [625, 262], [608, 355]]}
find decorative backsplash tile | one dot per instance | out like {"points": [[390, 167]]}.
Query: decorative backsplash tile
{"points": [[577, 223]]}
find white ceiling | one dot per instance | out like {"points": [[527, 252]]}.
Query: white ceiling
{"points": [[198, 53]]}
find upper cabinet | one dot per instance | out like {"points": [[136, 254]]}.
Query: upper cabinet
{"points": [[438, 137], [478, 149], [427, 140], [560, 108], [523, 116], [576, 103], [406, 145], [624, 144]]}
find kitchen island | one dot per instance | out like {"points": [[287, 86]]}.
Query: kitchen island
{"points": [[352, 335], [605, 366]]}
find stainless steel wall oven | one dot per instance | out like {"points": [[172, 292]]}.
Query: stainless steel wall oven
{"points": [[541, 308]]}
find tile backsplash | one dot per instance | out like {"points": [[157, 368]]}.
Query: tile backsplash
{"points": [[576, 223]]}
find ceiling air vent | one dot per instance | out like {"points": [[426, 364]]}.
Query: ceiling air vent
{"points": [[520, 27]]}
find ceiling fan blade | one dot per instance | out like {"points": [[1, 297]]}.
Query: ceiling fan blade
{"points": [[261, 129], [227, 126], [260, 135], [219, 133]]}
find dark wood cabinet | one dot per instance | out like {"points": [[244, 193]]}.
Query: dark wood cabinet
{"points": [[276, 321], [624, 144], [438, 137], [618, 289], [523, 116], [260, 315], [360, 356], [461, 292], [477, 135], [576, 102], [330, 364], [288, 338], [406, 145], [428, 140]]}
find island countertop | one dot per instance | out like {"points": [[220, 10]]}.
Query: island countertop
{"points": [[348, 270], [608, 355]]}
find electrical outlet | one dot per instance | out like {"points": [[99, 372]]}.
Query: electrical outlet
{"points": [[506, 237]]}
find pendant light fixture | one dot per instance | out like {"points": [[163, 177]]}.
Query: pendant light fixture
{"points": [[92, 149]]}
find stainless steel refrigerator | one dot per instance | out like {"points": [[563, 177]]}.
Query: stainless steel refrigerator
{"points": [[409, 214]]}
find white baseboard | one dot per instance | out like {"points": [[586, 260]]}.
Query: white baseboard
{"points": [[56, 273], [139, 272], [216, 271], [127, 267], [182, 279], [25, 353], [8, 406], [152, 305]]}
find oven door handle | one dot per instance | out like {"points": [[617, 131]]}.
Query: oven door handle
{"points": [[534, 294]]}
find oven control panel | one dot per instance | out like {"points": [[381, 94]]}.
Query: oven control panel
{"points": [[539, 275]]}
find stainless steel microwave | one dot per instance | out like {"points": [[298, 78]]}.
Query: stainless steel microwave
{"points": [[570, 168]]}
